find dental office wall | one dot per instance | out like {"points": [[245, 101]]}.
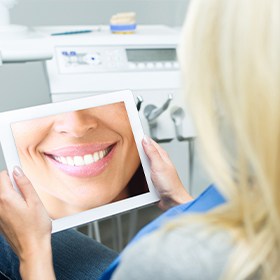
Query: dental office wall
{"points": [[58, 12], [24, 85]]}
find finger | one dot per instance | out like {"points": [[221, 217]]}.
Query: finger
{"points": [[152, 153], [24, 185], [162, 152], [6, 184], [8, 195], [164, 155]]}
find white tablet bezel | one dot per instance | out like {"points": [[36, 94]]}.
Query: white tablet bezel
{"points": [[12, 159]]}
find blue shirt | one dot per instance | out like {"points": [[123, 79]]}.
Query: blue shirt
{"points": [[209, 199]]}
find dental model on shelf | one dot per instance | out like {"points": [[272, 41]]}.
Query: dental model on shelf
{"points": [[123, 23]]}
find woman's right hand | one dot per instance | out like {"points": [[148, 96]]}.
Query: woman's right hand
{"points": [[26, 226], [164, 176]]}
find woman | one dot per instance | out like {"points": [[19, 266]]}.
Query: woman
{"points": [[230, 54], [81, 159]]}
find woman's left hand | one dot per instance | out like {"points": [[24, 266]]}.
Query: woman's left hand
{"points": [[26, 225], [164, 176]]}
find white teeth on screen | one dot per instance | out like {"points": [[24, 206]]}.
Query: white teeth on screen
{"points": [[63, 160], [82, 160], [88, 159], [95, 157], [70, 161], [78, 161], [101, 154]]}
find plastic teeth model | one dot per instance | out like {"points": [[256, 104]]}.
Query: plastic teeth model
{"points": [[123, 23]]}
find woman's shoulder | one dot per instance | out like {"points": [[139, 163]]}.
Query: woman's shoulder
{"points": [[190, 251]]}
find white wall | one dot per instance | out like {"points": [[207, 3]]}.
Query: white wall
{"points": [[57, 12]]}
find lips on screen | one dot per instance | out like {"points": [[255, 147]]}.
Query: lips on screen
{"points": [[81, 159]]}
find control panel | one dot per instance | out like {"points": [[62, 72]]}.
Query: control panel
{"points": [[90, 59]]}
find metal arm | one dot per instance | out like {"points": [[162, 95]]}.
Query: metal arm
{"points": [[177, 115], [152, 112], [139, 102]]}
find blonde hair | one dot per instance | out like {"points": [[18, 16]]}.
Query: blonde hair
{"points": [[230, 59]]}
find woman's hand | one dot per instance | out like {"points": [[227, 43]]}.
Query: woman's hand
{"points": [[26, 226], [164, 176]]}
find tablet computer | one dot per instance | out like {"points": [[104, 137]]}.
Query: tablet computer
{"points": [[84, 157]]}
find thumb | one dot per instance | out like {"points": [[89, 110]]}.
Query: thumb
{"points": [[153, 154], [24, 185]]}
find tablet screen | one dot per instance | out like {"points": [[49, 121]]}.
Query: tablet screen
{"points": [[80, 159], [84, 157]]}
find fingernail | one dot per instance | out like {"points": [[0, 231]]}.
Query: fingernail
{"points": [[18, 171], [147, 140]]}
